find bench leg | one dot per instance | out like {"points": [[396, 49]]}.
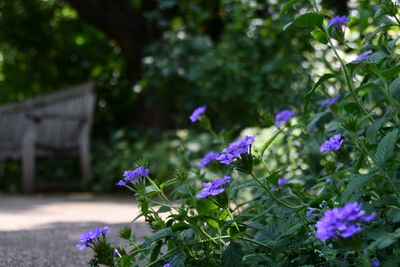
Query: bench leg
{"points": [[28, 163], [85, 161]]}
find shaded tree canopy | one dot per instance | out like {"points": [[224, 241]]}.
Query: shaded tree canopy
{"points": [[154, 60]]}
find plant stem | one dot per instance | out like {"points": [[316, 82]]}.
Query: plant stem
{"points": [[273, 196], [347, 78]]}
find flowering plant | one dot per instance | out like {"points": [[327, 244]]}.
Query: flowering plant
{"points": [[319, 188]]}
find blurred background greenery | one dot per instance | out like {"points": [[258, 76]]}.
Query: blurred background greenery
{"points": [[155, 61]]}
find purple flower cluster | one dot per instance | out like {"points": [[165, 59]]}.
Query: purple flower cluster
{"points": [[133, 176], [364, 54], [338, 21], [214, 188], [332, 144], [330, 101], [282, 181], [208, 158], [283, 117], [89, 237], [197, 113], [343, 222], [167, 265], [235, 149]]}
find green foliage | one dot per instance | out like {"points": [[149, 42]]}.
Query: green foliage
{"points": [[258, 220]]}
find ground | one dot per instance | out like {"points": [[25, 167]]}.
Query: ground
{"points": [[42, 231]]}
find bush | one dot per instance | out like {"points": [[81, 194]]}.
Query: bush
{"points": [[321, 187]]}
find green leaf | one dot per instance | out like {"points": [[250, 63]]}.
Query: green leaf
{"points": [[307, 20], [321, 80], [232, 255], [178, 259], [166, 232], [373, 58], [389, 73], [373, 130], [320, 37], [365, 86], [394, 86], [287, 6], [356, 183], [269, 142], [378, 30], [384, 240], [385, 147]]}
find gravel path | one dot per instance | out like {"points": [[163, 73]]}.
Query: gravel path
{"points": [[43, 230]]}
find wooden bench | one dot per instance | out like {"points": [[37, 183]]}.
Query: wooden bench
{"points": [[56, 124]]}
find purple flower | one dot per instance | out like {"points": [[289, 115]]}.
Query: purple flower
{"points": [[332, 144], [272, 189], [282, 181], [167, 265], [310, 211], [375, 262], [328, 180], [343, 222], [283, 117], [324, 203], [364, 54], [235, 149], [197, 113], [338, 21], [133, 176], [89, 237], [208, 158], [330, 101], [214, 188]]}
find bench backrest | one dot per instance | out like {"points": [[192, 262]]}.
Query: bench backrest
{"points": [[55, 132]]}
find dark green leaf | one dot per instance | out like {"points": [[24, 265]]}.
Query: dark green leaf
{"points": [[356, 183], [167, 232], [307, 20], [232, 255], [385, 147], [392, 72], [178, 259]]}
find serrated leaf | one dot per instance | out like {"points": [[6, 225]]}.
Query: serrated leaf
{"points": [[232, 255], [178, 259], [286, 6], [385, 147], [373, 58], [356, 183]]}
